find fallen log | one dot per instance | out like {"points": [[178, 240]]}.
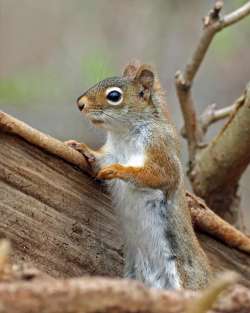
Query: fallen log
{"points": [[56, 217], [61, 221]]}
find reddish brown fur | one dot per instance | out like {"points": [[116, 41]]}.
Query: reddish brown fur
{"points": [[161, 168], [158, 171]]}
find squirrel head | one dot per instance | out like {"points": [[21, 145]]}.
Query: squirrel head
{"points": [[117, 101]]}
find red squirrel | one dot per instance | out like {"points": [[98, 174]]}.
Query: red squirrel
{"points": [[140, 162]]}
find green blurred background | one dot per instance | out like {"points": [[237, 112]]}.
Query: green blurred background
{"points": [[53, 50]]}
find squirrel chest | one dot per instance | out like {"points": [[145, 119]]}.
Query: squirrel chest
{"points": [[142, 213], [127, 149]]}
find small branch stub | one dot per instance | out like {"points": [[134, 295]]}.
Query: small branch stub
{"points": [[212, 115], [214, 14]]}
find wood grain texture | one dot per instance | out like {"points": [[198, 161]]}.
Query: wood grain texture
{"points": [[55, 216], [62, 222]]}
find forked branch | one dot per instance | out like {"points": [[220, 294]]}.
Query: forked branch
{"points": [[212, 115], [217, 170], [213, 23]]}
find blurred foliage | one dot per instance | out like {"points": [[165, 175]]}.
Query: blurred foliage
{"points": [[22, 88], [95, 67], [225, 44], [239, 3], [230, 40]]}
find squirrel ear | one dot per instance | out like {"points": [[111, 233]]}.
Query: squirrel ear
{"points": [[145, 76], [130, 69]]}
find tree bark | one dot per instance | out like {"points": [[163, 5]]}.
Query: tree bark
{"points": [[60, 221], [56, 217]]}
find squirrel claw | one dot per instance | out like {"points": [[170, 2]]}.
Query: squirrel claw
{"points": [[109, 172], [72, 143], [82, 148], [105, 174]]}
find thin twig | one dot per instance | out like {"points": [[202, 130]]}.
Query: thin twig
{"points": [[46, 142], [212, 24], [211, 115], [235, 16]]}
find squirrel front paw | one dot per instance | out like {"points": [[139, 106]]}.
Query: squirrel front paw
{"points": [[110, 172], [82, 148]]}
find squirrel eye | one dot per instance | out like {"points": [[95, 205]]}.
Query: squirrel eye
{"points": [[141, 94], [114, 95]]}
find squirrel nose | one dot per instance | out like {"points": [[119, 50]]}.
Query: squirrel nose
{"points": [[80, 103], [80, 106]]}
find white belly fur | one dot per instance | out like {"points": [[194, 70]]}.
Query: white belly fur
{"points": [[143, 229], [148, 250]]}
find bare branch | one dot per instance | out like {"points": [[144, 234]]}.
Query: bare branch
{"points": [[112, 295], [88, 295], [214, 14], [46, 142], [205, 220], [192, 127], [211, 115], [212, 24], [220, 165], [235, 16]]}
